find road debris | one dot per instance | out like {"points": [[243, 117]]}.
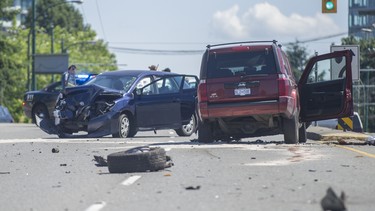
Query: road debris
{"points": [[370, 140], [5, 172], [139, 159], [100, 161], [63, 164], [333, 203], [193, 188], [55, 150]]}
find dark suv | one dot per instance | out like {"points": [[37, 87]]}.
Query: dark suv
{"points": [[248, 89]]}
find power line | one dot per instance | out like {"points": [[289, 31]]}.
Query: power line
{"points": [[318, 38], [194, 52], [100, 19], [156, 52]]}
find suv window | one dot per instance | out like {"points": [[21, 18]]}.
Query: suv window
{"points": [[241, 63], [324, 70]]}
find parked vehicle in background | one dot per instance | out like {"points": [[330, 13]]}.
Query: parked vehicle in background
{"points": [[5, 115], [248, 89], [42, 102], [121, 103]]}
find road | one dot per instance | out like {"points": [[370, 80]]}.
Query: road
{"points": [[253, 174]]}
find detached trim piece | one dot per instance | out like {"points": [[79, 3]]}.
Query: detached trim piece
{"points": [[138, 159]]}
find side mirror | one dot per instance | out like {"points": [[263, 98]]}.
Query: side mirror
{"points": [[138, 92]]}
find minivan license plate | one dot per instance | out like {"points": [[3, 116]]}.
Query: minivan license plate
{"points": [[242, 92]]}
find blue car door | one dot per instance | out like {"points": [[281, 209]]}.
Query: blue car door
{"points": [[158, 104], [188, 93]]}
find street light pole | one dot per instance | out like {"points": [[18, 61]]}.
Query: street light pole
{"points": [[33, 13], [33, 34]]}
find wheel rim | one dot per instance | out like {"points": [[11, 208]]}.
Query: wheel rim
{"points": [[189, 127], [124, 126], [40, 112]]}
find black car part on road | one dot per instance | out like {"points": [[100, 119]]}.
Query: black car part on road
{"points": [[138, 159]]}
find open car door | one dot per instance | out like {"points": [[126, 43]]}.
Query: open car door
{"points": [[325, 87], [158, 104]]}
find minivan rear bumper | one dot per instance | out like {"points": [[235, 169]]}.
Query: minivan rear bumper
{"points": [[285, 106]]}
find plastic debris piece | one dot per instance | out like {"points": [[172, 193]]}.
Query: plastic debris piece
{"points": [[100, 161], [332, 202], [193, 188]]}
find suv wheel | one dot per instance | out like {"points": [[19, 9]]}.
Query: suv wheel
{"points": [[205, 133], [290, 129], [302, 134], [189, 128]]}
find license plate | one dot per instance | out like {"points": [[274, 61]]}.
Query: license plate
{"points": [[242, 92]]}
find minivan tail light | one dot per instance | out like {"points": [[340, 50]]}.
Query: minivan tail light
{"points": [[283, 84], [202, 91]]}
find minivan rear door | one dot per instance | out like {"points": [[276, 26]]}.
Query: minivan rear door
{"points": [[325, 87], [242, 74]]}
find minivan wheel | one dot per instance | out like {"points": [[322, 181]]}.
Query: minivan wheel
{"points": [[205, 133], [123, 127], [189, 128], [290, 130], [302, 135]]}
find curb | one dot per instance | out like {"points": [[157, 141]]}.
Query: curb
{"points": [[317, 133]]}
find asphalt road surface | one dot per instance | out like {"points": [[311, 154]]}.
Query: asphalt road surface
{"points": [[253, 174]]}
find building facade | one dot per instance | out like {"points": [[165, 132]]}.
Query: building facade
{"points": [[361, 20]]}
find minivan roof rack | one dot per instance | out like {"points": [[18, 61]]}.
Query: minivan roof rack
{"points": [[233, 43]]}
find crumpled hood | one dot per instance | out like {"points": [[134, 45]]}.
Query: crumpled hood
{"points": [[84, 95]]}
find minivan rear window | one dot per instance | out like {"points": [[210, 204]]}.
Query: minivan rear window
{"points": [[221, 65]]}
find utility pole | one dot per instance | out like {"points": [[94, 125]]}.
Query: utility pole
{"points": [[33, 14]]}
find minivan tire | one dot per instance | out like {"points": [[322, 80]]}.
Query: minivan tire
{"points": [[302, 135], [205, 134], [291, 130]]}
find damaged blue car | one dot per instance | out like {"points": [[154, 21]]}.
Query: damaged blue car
{"points": [[121, 103]]}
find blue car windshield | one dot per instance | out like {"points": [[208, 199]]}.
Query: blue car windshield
{"points": [[121, 83]]}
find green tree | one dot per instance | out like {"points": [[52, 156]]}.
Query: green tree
{"points": [[367, 50], [298, 58], [10, 66], [80, 41], [52, 13]]}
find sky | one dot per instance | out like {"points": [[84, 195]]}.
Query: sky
{"points": [[175, 33]]}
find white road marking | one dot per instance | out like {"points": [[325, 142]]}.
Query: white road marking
{"points": [[131, 180], [97, 206]]}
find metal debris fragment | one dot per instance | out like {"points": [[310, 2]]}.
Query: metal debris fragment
{"points": [[333, 203], [100, 161], [193, 188]]}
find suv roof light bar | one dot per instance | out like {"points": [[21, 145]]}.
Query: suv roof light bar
{"points": [[234, 43]]}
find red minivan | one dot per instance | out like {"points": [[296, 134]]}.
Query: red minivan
{"points": [[247, 89]]}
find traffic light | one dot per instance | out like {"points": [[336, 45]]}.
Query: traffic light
{"points": [[329, 6]]}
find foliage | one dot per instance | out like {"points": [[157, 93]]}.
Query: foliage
{"points": [[52, 13], [367, 51], [7, 14], [11, 75], [88, 53], [298, 58]]}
